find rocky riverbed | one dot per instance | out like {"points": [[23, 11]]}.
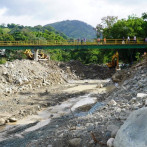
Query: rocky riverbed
{"points": [[74, 113]]}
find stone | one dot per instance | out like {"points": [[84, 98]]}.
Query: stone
{"points": [[108, 134], [145, 102], [91, 142], [113, 129], [117, 110], [75, 142], [12, 119], [2, 121], [110, 142], [141, 95], [134, 130], [8, 90], [112, 103], [90, 127], [101, 86], [117, 77], [25, 79], [19, 81], [84, 104]]}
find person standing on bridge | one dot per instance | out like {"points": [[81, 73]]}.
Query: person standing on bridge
{"points": [[78, 40], [135, 39], [128, 39], [98, 40], [123, 40], [81, 41]]}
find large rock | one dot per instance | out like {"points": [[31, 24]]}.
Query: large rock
{"points": [[12, 119], [117, 77], [75, 142], [84, 104], [133, 133], [2, 121]]}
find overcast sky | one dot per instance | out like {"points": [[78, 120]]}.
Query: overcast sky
{"points": [[41, 12]]}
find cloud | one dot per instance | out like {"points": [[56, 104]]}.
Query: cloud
{"points": [[127, 2], [34, 12]]}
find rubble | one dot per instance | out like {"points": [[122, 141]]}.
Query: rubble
{"points": [[129, 95], [106, 116]]}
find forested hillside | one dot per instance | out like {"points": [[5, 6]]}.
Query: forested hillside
{"points": [[13, 32], [75, 29]]}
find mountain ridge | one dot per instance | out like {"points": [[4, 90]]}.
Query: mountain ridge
{"points": [[75, 29]]}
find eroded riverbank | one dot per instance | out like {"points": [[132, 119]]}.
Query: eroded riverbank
{"points": [[85, 113], [79, 99]]}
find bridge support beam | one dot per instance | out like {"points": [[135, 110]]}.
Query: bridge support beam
{"points": [[36, 54]]}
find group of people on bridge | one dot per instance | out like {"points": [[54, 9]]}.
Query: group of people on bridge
{"points": [[104, 41], [134, 40], [128, 40], [83, 40]]}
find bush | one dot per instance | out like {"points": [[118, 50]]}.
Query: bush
{"points": [[137, 56], [3, 60]]}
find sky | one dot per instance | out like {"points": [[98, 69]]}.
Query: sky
{"points": [[42, 12]]}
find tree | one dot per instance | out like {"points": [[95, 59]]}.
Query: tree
{"points": [[109, 21], [144, 16], [105, 26]]}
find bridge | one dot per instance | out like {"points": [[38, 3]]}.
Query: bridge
{"points": [[68, 44]]}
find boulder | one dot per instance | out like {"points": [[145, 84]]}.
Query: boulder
{"points": [[141, 95], [117, 77], [134, 131], [110, 142], [75, 142], [2, 121], [12, 119], [84, 104], [112, 103]]}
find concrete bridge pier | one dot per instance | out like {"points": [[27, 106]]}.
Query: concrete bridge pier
{"points": [[36, 54]]}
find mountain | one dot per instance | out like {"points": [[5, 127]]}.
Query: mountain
{"points": [[75, 29]]}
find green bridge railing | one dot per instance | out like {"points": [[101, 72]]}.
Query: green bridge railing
{"points": [[74, 44]]}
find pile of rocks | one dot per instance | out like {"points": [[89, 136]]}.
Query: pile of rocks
{"points": [[21, 75]]}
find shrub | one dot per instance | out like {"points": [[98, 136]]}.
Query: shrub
{"points": [[3, 60]]}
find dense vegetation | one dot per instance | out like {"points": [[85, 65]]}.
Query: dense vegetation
{"points": [[13, 32], [75, 29], [110, 27], [113, 28]]}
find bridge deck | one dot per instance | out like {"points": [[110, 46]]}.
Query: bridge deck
{"points": [[110, 44]]}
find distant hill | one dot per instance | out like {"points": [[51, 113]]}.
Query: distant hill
{"points": [[75, 29]]}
